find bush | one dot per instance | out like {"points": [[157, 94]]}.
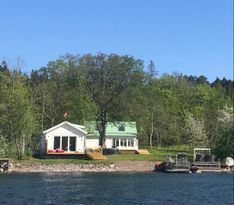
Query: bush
{"points": [[225, 145]]}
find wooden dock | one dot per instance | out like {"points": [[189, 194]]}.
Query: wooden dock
{"points": [[208, 166], [232, 168]]}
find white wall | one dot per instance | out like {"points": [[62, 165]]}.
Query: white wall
{"points": [[109, 142], [92, 143]]}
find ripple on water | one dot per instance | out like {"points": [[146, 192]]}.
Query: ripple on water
{"points": [[116, 188]]}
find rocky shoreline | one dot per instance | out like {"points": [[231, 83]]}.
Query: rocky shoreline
{"points": [[122, 166]]}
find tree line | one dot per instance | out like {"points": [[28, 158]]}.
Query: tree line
{"points": [[169, 110]]}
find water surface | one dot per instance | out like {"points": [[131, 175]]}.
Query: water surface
{"points": [[116, 188]]}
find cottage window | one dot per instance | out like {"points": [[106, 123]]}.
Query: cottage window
{"points": [[65, 143], [56, 142], [121, 127], [72, 144]]}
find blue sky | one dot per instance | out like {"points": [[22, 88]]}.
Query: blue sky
{"points": [[193, 37]]}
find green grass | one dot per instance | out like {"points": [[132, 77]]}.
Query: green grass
{"points": [[156, 154]]}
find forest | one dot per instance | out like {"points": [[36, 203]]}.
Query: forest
{"points": [[172, 109]]}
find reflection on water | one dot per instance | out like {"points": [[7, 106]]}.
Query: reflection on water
{"points": [[116, 188]]}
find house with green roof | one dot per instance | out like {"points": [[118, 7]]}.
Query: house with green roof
{"points": [[120, 135], [69, 138]]}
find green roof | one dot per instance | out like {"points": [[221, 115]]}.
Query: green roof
{"points": [[127, 129]]}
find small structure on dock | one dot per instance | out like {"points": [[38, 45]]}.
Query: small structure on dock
{"points": [[204, 161], [5, 164]]}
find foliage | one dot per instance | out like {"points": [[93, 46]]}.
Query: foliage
{"points": [[225, 145], [16, 111], [107, 78], [195, 133]]}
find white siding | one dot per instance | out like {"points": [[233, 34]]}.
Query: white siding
{"points": [[66, 130], [92, 143], [109, 142]]}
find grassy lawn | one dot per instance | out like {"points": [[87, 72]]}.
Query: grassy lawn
{"points": [[156, 154]]}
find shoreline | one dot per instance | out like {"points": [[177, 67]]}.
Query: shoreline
{"points": [[121, 166]]}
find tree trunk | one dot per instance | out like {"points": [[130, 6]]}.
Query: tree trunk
{"points": [[42, 116], [23, 146], [18, 151], [152, 130], [102, 128]]}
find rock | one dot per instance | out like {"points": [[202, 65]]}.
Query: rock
{"points": [[112, 166]]}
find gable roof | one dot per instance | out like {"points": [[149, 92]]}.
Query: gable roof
{"points": [[112, 129], [75, 126]]}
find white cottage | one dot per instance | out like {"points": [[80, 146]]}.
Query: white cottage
{"points": [[69, 138], [63, 138]]}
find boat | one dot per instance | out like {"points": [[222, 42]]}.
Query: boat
{"points": [[204, 161], [179, 165]]}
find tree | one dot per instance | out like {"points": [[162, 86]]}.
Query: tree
{"points": [[195, 134], [17, 112], [4, 68], [224, 145], [77, 104], [151, 72], [108, 76], [151, 77]]}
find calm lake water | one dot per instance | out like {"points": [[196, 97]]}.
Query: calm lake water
{"points": [[116, 188]]}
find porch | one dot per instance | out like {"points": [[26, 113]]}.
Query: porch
{"points": [[124, 143]]}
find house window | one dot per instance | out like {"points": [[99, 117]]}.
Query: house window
{"points": [[115, 142], [123, 142], [56, 142], [121, 127], [130, 142]]}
